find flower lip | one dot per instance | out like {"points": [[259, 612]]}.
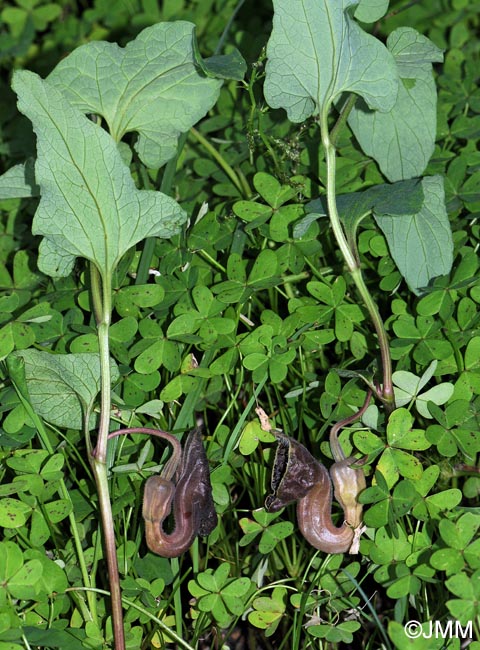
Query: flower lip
{"points": [[295, 472]]}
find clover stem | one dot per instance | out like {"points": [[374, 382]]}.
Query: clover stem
{"points": [[102, 301], [240, 184], [353, 265], [177, 596]]}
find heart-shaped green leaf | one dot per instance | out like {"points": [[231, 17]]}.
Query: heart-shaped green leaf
{"points": [[402, 139], [63, 388], [152, 86], [317, 51], [273, 534], [24, 583], [89, 204], [457, 535], [13, 513], [252, 434], [421, 243], [270, 189]]}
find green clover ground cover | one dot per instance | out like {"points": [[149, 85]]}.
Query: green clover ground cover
{"points": [[223, 205]]}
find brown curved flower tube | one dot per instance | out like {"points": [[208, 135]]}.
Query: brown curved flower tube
{"points": [[193, 509], [314, 511], [298, 476]]}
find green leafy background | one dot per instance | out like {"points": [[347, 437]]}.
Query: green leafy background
{"points": [[241, 299]]}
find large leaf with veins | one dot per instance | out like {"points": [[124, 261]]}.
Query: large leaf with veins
{"points": [[421, 242], [63, 387], [89, 204], [153, 86], [402, 140], [317, 51]]}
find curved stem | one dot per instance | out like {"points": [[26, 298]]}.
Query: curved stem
{"points": [[387, 387], [335, 222], [353, 265], [337, 451], [172, 464]]}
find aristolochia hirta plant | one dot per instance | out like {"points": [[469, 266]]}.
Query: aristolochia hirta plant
{"points": [[90, 208], [106, 120], [321, 62]]}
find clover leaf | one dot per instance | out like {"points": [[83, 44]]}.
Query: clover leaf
{"points": [[224, 597], [394, 461], [467, 588], [268, 612], [408, 387], [271, 533]]}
